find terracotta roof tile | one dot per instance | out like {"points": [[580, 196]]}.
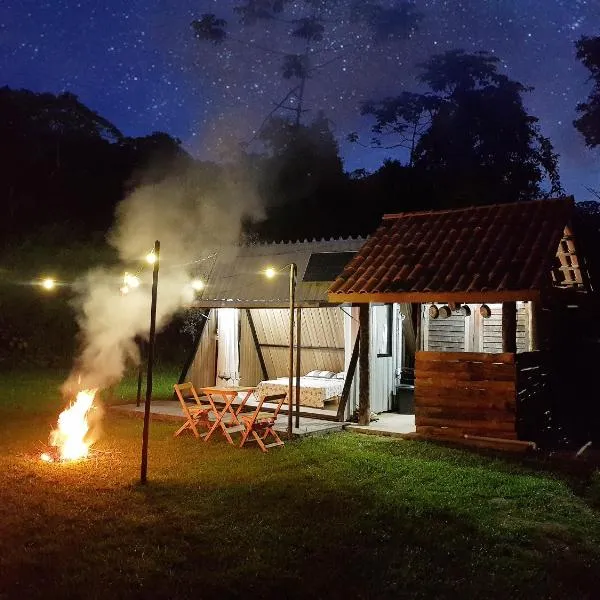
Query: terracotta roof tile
{"points": [[508, 247]]}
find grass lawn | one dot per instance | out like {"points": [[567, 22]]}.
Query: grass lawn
{"points": [[339, 516]]}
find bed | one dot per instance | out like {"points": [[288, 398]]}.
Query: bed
{"points": [[315, 391]]}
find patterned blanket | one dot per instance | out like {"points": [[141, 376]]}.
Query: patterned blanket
{"points": [[314, 391]]}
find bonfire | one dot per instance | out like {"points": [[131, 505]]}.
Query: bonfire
{"points": [[69, 440]]}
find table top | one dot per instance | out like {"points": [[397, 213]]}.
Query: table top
{"points": [[232, 389]]}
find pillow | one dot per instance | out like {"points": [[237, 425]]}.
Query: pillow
{"points": [[321, 374], [340, 375]]}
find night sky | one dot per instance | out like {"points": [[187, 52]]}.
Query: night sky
{"points": [[141, 67]]}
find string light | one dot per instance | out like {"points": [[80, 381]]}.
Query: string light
{"points": [[48, 283], [197, 284], [131, 281]]}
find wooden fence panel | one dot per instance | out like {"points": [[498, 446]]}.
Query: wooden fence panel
{"points": [[458, 393]]}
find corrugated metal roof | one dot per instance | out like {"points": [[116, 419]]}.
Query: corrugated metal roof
{"points": [[476, 251], [234, 276]]}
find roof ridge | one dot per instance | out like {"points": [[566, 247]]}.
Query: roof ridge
{"points": [[418, 213], [350, 238]]}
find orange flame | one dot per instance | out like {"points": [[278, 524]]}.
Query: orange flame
{"points": [[69, 437]]}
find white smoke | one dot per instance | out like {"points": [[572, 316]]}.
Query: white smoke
{"points": [[191, 222]]}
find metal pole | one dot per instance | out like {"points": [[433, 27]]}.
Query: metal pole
{"points": [[291, 364], [298, 342], [144, 468], [140, 373]]}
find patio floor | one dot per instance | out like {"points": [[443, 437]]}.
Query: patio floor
{"points": [[169, 410], [392, 424]]}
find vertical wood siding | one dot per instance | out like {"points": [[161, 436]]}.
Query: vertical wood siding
{"points": [[321, 328]]}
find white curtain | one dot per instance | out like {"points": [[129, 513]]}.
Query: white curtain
{"points": [[228, 358]]}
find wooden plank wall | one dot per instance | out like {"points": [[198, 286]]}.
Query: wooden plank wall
{"points": [[459, 393], [534, 395], [491, 330], [202, 371], [446, 335], [321, 327]]}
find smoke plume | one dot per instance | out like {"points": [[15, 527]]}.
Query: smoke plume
{"points": [[192, 213]]}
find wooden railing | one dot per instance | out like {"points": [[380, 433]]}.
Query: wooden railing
{"points": [[458, 393]]}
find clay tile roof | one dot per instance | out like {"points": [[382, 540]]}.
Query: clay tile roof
{"points": [[497, 248]]}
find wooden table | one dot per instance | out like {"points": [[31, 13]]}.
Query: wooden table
{"points": [[228, 394]]}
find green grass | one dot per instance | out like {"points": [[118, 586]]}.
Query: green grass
{"points": [[339, 516]]}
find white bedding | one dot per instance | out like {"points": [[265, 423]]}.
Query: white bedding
{"points": [[314, 391]]}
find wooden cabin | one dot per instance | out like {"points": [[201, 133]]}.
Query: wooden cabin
{"points": [[499, 295], [244, 337]]}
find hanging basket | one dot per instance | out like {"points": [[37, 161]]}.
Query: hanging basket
{"points": [[485, 311], [434, 312], [445, 312]]}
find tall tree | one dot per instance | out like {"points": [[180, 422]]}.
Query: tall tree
{"points": [[302, 36], [469, 135], [588, 124]]}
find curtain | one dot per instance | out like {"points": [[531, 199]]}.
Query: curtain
{"points": [[228, 356]]}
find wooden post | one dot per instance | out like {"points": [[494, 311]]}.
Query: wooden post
{"points": [[348, 381], [291, 362], [418, 327], [151, 339], [364, 404], [298, 346], [534, 322], [509, 327]]}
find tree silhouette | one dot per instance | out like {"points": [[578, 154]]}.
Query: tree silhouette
{"points": [[469, 135], [303, 30], [588, 124]]}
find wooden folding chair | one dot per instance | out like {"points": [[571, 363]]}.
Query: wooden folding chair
{"points": [[195, 415], [260, 423]]}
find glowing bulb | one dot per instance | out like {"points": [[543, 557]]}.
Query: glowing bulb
{"points": [[48, 283], [270, 272], [197, 284], [131, 281], [151, 258], [124, 290]]}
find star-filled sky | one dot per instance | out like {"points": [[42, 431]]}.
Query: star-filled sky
{"points": [[138, 64]]}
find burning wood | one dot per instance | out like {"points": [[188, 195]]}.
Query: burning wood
{"points": [[68, 441]]}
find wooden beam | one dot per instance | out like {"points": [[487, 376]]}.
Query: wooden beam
{"points": [[364, 403], [509, 327], [261, 358], [428, 297], [348, 381], [332, 348]]}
